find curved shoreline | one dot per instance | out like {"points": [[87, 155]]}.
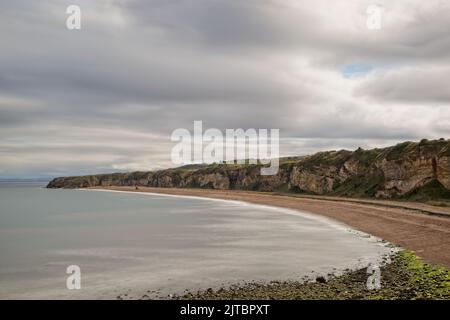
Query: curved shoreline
{"points": [[376, 257], [295, 212], [426, 235], [404, 276]]}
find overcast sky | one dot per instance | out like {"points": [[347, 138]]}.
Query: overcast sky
{"points": [[107, 97]]}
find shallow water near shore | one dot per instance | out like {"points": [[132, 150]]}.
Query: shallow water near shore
{"points": [[155, 245]]}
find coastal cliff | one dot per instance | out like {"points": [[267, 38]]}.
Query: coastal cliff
{"points": [[410, 170]]}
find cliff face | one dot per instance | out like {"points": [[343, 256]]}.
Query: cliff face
{"points": [[407, 169]]}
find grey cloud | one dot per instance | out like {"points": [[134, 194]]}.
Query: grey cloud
{"points": [[107, 97], [422, 84]]}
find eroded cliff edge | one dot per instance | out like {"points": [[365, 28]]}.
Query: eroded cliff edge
{"points": [[414, 170]]}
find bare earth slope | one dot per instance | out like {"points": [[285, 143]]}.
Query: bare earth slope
{"points": [[427, 235]]}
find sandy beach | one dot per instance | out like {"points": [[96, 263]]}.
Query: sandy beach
{"points": [[424, 229]]}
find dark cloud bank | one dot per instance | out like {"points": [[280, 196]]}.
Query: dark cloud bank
{"points": [[106, 97]]}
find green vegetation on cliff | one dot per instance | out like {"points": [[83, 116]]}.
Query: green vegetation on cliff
{"points": [[409, 170], [428, 192]]}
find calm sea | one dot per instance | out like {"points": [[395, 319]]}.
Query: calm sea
{"points": [[158, 245]]}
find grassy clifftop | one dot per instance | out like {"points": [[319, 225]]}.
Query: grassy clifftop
{"points": [[409, 170]]}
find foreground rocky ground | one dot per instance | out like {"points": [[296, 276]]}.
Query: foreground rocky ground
{"points": [[405, 278]]}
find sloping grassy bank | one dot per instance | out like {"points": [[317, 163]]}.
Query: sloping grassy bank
{"points": [[405, 278]]}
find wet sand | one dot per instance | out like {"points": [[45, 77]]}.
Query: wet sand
{"points": [[410, 225]]}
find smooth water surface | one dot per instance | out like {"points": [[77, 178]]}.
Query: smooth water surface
{"points": [[135, 243]]}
